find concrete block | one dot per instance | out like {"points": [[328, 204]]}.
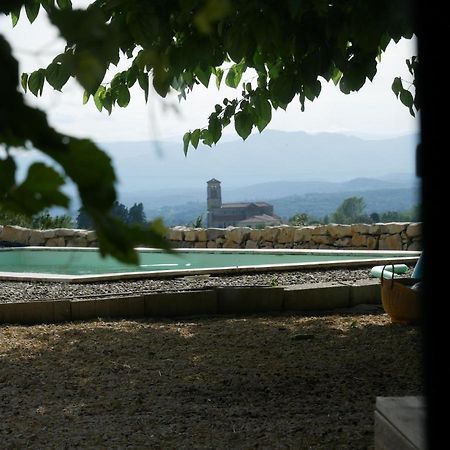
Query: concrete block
{"points": [[90, 309], [61, 311], [27, 313], [133, 306], [232, 300], [187, 303], [367, 292], [319, 297]]}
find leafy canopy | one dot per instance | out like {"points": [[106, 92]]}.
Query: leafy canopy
{"points": [[273, 52]]}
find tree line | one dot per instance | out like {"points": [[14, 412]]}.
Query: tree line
{"points": [[353, 210]]}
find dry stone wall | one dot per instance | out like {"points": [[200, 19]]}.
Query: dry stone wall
{"points": [[379, 236]]}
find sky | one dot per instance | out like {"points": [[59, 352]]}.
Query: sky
{"points": [[373, 112]]}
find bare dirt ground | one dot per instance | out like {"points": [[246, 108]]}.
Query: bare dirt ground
{"points": [[284, 381]]}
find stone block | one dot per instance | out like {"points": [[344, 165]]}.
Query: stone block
{"points": [[36, 238], [359, 240], [172, 304], [251, 244], [414, 230], [366, 292], [320, 297], [270, 234], [255, 235], [231, 244], [202, 235], [238, 235], [343, 242], [190, 235], [15, 234], [29, 313], [200, 244], [319, 230], [339, 231], [215, 233], [236, 300], [415, 246], [211, 244], [394, 227], [177, 233], [322, 239], [286, 235], [56, 242], [303, 234], [360, 228], [372, 242], [390, 242], [76, 241]]}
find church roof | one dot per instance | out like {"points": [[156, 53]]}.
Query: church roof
{"points": [[213, 180], [263, 218], [244, 204]]}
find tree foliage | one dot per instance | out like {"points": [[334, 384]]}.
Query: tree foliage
{"points": [[274, 52], [351, 210]]}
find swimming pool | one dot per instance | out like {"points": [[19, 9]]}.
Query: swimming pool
{"points": [[85, 264]]}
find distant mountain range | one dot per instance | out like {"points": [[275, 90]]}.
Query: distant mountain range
{"points": [[262, 158], [268, 166]]}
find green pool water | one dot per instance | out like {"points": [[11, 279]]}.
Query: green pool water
{"points": [[82, 262]]}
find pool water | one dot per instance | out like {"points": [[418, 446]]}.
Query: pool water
{"points": [[88, 261]]}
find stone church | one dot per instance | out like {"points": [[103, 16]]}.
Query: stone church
{"points": [[251, 214]]}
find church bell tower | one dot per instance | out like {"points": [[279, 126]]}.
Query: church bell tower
{"points": [[214, 198]]}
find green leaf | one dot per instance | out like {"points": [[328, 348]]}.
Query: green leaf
{"points": [[195, 137], [36, 82], [32, 10], [406, 98], [24, 81], [143, 83], [397, 86], [86, 96], [89, 70], [204, 76], [108, 101], [57, 75], [214, 128], [131, 76], [234, 75], [282, 89], [64, 4], [15, 14], [186, 140], [48, 4], [219, 76], [263, 111], [312, 90], [336, 76], [243, 124], [99, 96], [40, 189], [123, 96]]}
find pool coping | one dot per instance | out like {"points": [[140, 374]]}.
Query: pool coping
{"points": [[209, 301], [410, 257]]}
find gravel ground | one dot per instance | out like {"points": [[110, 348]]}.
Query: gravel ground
{"points": [[37, 291], [284, 381]]}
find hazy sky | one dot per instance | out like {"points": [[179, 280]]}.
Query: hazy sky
{"points": [[372, 112]]}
